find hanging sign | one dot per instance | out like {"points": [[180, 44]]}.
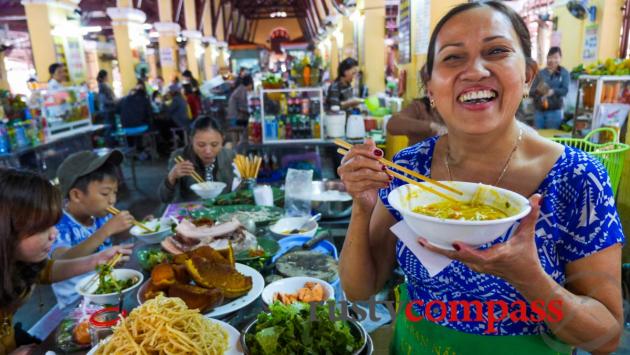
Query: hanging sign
{"points": [[167, 58], [589, 53], [404, 31], [423, 26]]}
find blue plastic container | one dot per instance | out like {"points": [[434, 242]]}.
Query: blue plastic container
{"points": [[324, 247]]}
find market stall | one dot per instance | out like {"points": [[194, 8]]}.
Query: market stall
{"points": [[38, 133]]}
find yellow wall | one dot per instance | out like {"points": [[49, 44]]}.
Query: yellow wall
{"points": [[609, 19], [39, 27], [438, 10], [266, 26], [4, 83]]}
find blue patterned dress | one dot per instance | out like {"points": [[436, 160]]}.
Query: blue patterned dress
{"points": [[578, 218]]}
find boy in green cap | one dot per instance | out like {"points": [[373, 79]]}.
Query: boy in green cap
{"points": [[89, 185]]}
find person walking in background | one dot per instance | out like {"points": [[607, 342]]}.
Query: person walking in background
{"points": [[238, 112], [106, 103], [177, 109], [193, 100], [548, 90]]}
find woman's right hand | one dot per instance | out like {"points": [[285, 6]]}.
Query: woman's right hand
{"points": [[185, 168], [363, 175]]}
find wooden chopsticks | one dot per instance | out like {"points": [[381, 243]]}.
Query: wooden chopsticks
{"points": [[113, 210], [247, 167], [410, 181], [384, 161], [194, 174], [94, 278]]}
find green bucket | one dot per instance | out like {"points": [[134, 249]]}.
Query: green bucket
{"points": [[610, 154]]}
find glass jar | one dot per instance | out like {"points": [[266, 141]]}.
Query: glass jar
{"points": [[103, 322]]}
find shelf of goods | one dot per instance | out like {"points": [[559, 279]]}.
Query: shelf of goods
{"points": [[602, 101], [64, 109], [281, 116]]}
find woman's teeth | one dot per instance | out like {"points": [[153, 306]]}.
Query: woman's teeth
{"points": [[473, 97]]}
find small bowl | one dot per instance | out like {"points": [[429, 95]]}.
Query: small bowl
{"points": [[443, 232], [108, 298], [285, 224], [153, 237], [208, 189], [292, 285]]}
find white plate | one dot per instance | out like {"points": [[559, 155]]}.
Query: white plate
{"points": [[234, 347], [292, 285], [258, 284]]}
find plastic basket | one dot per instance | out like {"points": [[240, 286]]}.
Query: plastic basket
{"points": [[611, 154]]}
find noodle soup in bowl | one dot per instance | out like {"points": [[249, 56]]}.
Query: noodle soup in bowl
{"points": [[482, 214]]}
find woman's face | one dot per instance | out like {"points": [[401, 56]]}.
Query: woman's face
{"points": [[349, 74], [207, 144], [35, 248], [479, 71]]}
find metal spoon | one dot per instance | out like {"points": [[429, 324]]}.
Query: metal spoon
{"points": [[315, 218]]}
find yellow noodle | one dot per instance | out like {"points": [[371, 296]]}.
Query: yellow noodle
{"points": [[166, 326]]}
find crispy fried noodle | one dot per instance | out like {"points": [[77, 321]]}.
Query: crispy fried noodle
{"points": [[166, 326]]}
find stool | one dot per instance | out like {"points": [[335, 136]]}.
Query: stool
{"points": [[131, 152]]}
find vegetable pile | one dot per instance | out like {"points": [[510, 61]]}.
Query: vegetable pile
{"points": [[288, 330], [107, 283]]}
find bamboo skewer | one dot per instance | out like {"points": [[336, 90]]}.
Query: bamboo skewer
{"points": [[410, 181], [115, 211], [384, 161], [94, 278], [194, 174]]}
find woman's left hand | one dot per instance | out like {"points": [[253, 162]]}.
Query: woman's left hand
{"points": [[511, 261]]}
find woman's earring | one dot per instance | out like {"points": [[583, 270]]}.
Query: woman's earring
{"points": [[432, 103], [526, 92]]}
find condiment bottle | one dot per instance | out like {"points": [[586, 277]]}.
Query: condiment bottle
{"points": [[103, 322]]}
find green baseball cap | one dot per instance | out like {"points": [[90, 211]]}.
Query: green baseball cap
{"points": [[82, 163]]}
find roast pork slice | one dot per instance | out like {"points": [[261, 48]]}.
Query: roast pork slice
{"points": [[188, 230]]}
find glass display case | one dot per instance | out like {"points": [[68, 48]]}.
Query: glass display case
{"points": [[601, 101], [64, 109]]}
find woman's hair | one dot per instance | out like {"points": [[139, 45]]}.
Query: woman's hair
{"points": [[517, 22], [554, 50], [346, 64], [102, 74], [203, 123], [187, 73], [53, 68], [29, 204]]}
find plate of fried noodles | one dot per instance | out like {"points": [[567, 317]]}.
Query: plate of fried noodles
{"points": [[167, 326]]}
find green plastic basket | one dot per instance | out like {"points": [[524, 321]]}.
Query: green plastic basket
{"points": [[611, 154]]}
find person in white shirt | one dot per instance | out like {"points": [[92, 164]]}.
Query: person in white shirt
{"points": [[57, 73]]}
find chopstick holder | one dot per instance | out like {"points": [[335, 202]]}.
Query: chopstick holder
{"points": [[433, 262]]}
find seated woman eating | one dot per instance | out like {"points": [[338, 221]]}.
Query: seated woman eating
{"points": [[205, 155], [557, 273]]}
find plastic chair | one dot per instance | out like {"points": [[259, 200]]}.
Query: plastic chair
{"points": [[132, 139], [176, 132]]}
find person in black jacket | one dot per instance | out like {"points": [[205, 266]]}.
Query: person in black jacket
{"points": [[177, 109], [136, 114]]}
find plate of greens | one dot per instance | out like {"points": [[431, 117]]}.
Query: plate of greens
{"points": [[261, 215], [256, 258], [244, 197], [151, 255], [288, 329]]}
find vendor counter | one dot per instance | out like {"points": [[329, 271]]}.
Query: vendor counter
{"points": [[46, 157]]}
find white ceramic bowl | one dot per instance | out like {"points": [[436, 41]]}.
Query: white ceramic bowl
{"points": [[108, 298], [208, 189], [155, 237], [290, 223], [443, 232], [292, 285]]}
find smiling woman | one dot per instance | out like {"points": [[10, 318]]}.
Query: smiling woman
{"points": [[478, 68]]}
